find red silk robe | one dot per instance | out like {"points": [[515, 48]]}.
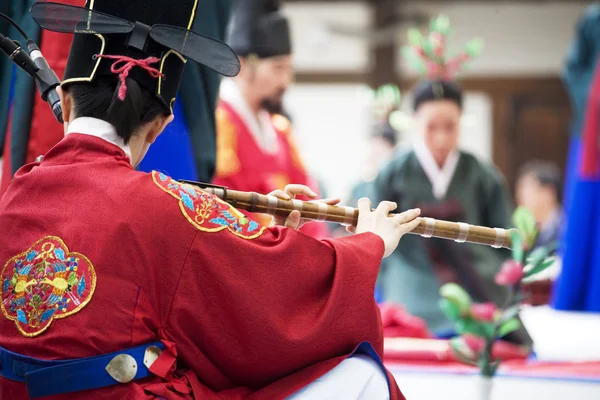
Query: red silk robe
{"points": [[243, 165], [249, 312]]}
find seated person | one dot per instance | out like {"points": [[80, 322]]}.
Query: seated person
{"points": [[119, 284]]}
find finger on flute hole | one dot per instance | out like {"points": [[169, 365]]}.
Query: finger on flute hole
{"points": [[413, 214], [294, 190], [280, 194], [331, 201], [386, 206]]}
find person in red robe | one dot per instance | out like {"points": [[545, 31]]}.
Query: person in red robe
{"points": [[120, 284], [255, 144]]}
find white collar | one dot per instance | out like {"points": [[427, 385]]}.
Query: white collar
{"points": [[440, 178], [101, 129], [260, 127]]}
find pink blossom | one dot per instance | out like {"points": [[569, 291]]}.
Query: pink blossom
{"points": [[510, 274], [475, 343], [437, 39], [483, 312]]}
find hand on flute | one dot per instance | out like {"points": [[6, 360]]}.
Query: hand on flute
{"points": [[293, 220], [389, 228]]}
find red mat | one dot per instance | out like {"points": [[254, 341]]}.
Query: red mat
{"points": [[406, 355]]}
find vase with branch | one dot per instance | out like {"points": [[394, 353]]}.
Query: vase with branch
{"points": [[480, 325]]}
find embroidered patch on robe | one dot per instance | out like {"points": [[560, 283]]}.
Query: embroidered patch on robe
{"points": [[44, 283], [207, 212]]}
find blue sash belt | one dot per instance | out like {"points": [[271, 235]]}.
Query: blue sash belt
{"points": [[47, 378]]}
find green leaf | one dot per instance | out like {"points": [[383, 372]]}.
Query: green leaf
{"points": [[474, 47], [509, 313], [462, 352], [456, 295], [388, 95], [366, 94], [525, 223], [428, 47], [440, 24], [508, 327], [414, 59], [415, 38], [537, 257], [469, 325], [450, 309], [517, 245], [548, 262], [488, 328]]}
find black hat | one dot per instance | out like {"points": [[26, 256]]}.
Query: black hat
{"points": [[259, 29], [432, 90], [146, 40]]}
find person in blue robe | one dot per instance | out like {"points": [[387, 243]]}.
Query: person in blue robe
{"points": [[578, 287]]}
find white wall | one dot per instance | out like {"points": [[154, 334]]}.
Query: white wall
{"points": [[520, 37], [315, 49], [331, 126]]}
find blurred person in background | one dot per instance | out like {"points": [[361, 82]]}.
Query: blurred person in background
{"points": [[382, 145], [445, 183], [255, 146], [578, 287], [383, 140], [539, 190]]}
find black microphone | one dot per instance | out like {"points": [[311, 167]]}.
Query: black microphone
{"points": [[13, 50], [46, 80]]}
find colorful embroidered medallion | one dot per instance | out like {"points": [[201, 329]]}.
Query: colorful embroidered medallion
{"points": [[207, 212], [44, 283]]}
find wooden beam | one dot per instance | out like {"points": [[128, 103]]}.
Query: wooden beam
{"points": [[383, 57], [550, 83]]}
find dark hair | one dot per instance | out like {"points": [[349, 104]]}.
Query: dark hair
{"points": [[99, 99], [546, 173], [427, 91], [386, 132]]}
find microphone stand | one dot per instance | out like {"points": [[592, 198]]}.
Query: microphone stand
{"points": [[35, 66]]}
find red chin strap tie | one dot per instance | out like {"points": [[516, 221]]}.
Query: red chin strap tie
{"points": [[124, 64]]}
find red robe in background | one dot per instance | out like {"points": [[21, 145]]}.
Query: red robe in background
{"points": [[45, 131], [249, 312], [258, 155]]}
